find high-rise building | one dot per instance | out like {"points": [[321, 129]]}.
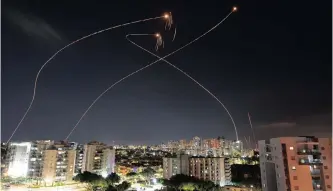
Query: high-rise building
{"points": [[4, 164], [175, 165], [215, 169], [19, 158], [237, 148], [296, 163], [98, 158], [182, 144], [59, 163], [79, 148], [24, 159]]}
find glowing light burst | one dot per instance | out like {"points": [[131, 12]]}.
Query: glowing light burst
{"points": [[68, 45], [169, 21], [159, 41], [139, 70]]}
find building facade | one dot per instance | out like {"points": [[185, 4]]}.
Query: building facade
{"points": [[175, 165], [59, 163], [215, 169], [98, 158], [296, 163], [24, 159], [79, 148]]}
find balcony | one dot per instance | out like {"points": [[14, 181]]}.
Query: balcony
{"points": [[315, 173], [310, 162], [308, 152], [268, 149], [316, 184]]}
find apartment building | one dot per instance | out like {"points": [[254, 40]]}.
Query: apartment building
{"points": [[4, 166], [79, 148], [24, 159], [175, 165], [98, 158], [58, 163], [215, 169], [296, 163]]}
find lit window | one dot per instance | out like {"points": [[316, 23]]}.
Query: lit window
{"points": [[291, 148], [293, 168]]}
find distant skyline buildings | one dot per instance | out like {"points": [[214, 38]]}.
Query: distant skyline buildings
{"points": [[206, 147]]}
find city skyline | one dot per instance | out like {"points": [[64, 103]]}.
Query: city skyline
{"points": [[253, 63]]}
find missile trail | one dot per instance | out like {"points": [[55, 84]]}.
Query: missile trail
{"points": [[253, 134], [129, 75], [63, 48], [187, 75]]}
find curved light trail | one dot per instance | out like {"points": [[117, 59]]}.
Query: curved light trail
{"points": [[129, 75], [68, 45], [187, 75]]}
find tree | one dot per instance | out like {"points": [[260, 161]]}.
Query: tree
{"points": [[207, 185], [93, 180], [123, 186], [148, 174], [184, 182], [132, 177], [188, 186], [112, 179]]}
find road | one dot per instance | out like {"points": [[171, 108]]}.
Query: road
{"points": [[59, 188]]}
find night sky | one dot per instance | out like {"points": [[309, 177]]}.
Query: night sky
{"points": [[271, 58]]}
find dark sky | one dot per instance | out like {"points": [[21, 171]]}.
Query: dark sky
{"points": [[272, 59]]}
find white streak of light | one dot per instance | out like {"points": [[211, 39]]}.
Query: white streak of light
{"points": [[195, 81], [60, 50], [129, 75]]}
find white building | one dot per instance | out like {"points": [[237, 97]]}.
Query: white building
{"points": [[19, 159], [175, 165], [296, 163], [98, 158], [215, 169], [25, 159]]}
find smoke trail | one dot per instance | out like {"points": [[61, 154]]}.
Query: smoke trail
{"points": [[184, 46], [174, 34], [187, 75], [254, 136], [60, 50]]}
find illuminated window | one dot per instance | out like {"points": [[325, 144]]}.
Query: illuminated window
{"points": [[293, 168], [291, 148]]}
